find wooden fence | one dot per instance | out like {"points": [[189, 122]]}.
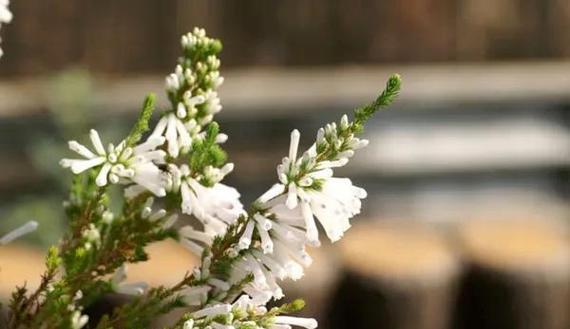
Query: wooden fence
{"points": [[122, 36]]}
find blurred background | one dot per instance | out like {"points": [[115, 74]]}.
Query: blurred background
{"points": [[466, 223]]}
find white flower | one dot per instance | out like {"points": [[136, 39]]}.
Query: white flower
{"points": [[213, 104], [196, 295], [281, 255], [5, 16], [296, 321], [192, 239], [215, 206], [78, 320], [311, 191], [159, 215], [189, 324], [92, 235], [333, 205], [18, 232], [121, 164], [118, 284], [177, 136], [212, 311], [178, 131]]}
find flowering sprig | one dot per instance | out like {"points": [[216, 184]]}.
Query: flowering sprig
{"points": [[245, 314], [191, 90], [244, 254], [269, 243]]}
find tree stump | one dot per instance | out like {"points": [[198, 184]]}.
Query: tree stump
{"points": [[517, 276], [399, 277]]}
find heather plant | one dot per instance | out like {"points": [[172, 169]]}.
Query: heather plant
{"points": [[171, 182]]}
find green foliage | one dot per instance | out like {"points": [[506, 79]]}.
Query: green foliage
{"points": [[53, 261], [388, 95], [293, 307], [141, 126], [207, 152]]}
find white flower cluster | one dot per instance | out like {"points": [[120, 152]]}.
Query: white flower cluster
{"points": [[272, 239], [192, 92], [77, 320], [216, 206], [158, 164], [241, 314], [121, 164], [286, 222], [275, 236], [5, 16]]}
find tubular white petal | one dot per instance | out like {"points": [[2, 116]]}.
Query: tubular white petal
{"points": [[212, 311], [171, 136], [294, 145], [301, 322], [227, 168], [266, 243], [160, 127], [192, 246], [310, 226], [273, 192], [184, 136], [181, 111], [264, 222], [170, 221], [195, 295], [273, 265], [190, 233], [157, 215], [291, 196], [96, 141], [221, 138], [101, 179], [245, 239], [346, 154], [222, 285], [79, 166], [80, 149], [134, 289], [344, 122], [150, 144]]}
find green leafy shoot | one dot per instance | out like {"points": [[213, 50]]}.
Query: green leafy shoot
{"points": [[141, 126], [388, 95]]}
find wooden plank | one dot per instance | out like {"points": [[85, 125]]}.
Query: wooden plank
{"points": [[292, 92]]}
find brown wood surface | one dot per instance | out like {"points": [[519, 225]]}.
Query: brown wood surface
{"points": [[518, 276], [395, 277], [119, 36]]}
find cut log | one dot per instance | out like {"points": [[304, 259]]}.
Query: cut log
{"points": [[399, 277], [517, 276]]}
